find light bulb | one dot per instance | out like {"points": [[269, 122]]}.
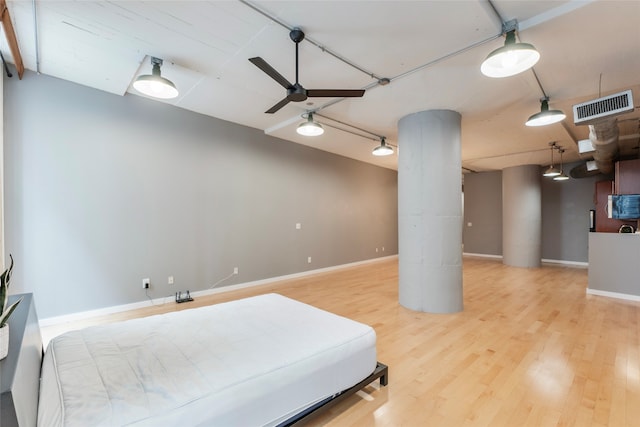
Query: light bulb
{"points": [[509, 59]]}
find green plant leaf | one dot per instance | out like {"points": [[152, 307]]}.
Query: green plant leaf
{"points": [[5, 278], [5, 316], [4, 297]]}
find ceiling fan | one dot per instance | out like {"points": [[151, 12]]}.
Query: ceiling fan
{"points": [[296, 92]]}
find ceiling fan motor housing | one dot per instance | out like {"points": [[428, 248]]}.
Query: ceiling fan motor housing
{"points": [[296, 93]]}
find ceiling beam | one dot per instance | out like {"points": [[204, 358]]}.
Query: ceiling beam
{"points": [[10, 34]]}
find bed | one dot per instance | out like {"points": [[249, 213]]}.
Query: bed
{"points": [[261, 361]]}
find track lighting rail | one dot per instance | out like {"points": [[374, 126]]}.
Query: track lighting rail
{"points": [[373, 137], [324, 123], [377, 137], [445, 57]]}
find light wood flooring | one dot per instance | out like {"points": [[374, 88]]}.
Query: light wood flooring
{"points": [[529, 349]]}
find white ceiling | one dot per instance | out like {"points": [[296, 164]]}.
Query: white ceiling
{"points": [[588, 49]]}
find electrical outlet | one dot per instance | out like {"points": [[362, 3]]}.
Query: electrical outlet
{"points": [[146, 283], [170, 280], [309, 260], [235, 270]]}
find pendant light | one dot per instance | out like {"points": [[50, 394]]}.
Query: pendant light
{"points": [[310, 128], [383, 149], [510, 59], [552, 170], [562, 176], [154, 84], [545, 116]]}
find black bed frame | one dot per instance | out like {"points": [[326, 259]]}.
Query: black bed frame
{"points": [[381, 371]]}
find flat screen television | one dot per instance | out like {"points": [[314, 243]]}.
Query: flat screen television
{"points": [[624, 206]]}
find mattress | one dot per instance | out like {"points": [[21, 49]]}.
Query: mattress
{"points": [[251, 362]]}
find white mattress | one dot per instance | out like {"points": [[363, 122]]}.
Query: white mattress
{"points": [[251, 362]]}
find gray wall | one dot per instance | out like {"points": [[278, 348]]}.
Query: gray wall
{"points": [[102, 191], [615, 263], [483, 209], [565, 215]]}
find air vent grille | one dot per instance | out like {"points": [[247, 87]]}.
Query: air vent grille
{"points": [[607, 106]]}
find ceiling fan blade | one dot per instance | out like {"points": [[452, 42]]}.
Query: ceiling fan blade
{"points": [[278, 106], [335, 93], [270, 71]]}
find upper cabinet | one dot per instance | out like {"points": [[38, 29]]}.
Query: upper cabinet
{"points": [[628, 177], [627, 181]]}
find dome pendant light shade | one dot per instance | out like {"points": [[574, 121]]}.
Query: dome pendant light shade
{"points": [[310, 128], [551, 171], [155, 85], [545, 116], [383, 149], [510, 59]]}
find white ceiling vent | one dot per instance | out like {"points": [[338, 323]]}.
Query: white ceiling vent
{"points": [[608, 106]]}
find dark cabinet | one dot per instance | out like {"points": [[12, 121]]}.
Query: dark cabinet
{"points": [[628, 177], [603, 222], [19, 382], [627, 181]]}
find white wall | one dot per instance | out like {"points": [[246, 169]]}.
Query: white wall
{"points": [[102, 191]]}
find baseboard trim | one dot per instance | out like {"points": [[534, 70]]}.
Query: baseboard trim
{"points": [[56, 320], [617, 295], [543, 260], [567, 263], [472, 255]]}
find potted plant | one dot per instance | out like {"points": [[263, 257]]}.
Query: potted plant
{"points": [[5, 310]]}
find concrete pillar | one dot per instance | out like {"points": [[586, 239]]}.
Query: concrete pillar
{"points": [[430, 212], [521, 216]]}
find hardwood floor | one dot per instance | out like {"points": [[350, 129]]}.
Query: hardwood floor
{"points": [[529, 349]]}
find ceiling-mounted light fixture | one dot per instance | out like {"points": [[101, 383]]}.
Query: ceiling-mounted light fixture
{"points": [[154, 84], [383, 149], [545, 116], [310, 128], [512, 58], [552, 170], [562, 176]]}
